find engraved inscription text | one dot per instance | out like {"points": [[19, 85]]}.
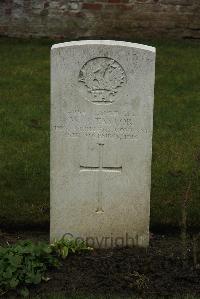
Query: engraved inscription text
{"points": [[104, 124]]}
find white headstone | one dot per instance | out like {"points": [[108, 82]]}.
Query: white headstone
{"points": [[102, 95]]}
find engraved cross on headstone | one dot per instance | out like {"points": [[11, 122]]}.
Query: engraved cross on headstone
{"points": [[100, 169]]}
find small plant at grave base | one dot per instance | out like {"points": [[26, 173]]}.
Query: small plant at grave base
{"points": [[65, 246], [25, 263]]}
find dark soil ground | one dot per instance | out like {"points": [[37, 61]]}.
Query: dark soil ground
{"points": [[159, 270]]}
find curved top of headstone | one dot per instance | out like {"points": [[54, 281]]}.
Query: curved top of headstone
{"points": [[104, 42]]}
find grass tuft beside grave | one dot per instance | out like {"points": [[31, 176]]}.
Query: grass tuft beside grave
{"points": [[24, 132]]}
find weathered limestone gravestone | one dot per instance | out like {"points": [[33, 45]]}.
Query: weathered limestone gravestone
{"points": [[102, 96]]}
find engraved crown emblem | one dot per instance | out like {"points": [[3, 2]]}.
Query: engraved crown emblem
{"points": [[103, 78]]}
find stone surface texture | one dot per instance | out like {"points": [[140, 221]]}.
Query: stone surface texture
{"points": [[123, 19], [102, 96]]}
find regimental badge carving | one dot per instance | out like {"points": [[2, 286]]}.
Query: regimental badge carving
{"points": [[103, 77]]}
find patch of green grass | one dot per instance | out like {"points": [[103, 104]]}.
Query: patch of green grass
{"points": [[24, 132], [176, 141]]}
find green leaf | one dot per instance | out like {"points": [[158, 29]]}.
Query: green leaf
{"points": [[14, 282], [34, 278], [65, 252], [24, 292], [15, 260], [37, 278], [7, 274]]}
